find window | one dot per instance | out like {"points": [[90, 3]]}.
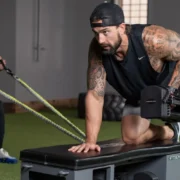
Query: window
{"points": [[135, 11]]}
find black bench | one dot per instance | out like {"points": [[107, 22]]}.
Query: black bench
{"points": [[152, 161]]}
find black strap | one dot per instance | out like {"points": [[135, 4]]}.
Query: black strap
{"points": [[6, 69]]}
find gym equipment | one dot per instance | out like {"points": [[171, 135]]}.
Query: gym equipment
{"points": [[112, 108], [152, 161], [26, 86], [41, 116], [159, 102]]}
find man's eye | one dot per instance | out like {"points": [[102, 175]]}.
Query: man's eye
{"points": [[105, 32]]}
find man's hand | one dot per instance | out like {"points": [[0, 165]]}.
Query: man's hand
{"points": [[85, 147], [96, 81], [1, 66]]}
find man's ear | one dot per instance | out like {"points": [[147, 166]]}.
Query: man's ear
{"points": [[122, 28]]}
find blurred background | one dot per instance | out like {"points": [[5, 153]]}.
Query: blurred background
{"points": [[45, 43]]}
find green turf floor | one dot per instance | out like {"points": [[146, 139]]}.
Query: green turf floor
{"points": [[27, 131]]}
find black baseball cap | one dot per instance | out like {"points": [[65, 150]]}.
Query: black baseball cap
{"points": [[111, 15]]}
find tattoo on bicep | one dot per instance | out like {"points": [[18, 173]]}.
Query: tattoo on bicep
{"points": [[96, 73], [154, 41], [175, 80], [96, 79], [162, 43], [175, 43]]}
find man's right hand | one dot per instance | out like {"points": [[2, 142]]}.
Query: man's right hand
{"points": [[96, 81], [85, 147], [1, 66]]}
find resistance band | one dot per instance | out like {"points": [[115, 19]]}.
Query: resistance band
{"points": [[44, 102], [40, 115]]}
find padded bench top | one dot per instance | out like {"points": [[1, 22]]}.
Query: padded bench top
{"points": [[113, 152]]}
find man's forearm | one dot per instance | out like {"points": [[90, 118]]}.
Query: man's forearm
{"points": [[93, 117]]}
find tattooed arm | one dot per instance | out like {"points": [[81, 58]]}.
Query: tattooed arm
{"points": [[96, 79], [163, 45]]}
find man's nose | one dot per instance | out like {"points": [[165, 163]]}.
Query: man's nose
{"points": [[101, 39]]}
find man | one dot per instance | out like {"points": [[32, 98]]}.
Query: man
{"points": [[4, 155], [129, 57]]}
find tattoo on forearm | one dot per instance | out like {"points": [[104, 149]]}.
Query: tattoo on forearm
{"points": [[175, 80]]}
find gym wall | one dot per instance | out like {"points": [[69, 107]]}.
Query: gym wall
{"points": [[165, 13], [7, 43], [64, 36]]}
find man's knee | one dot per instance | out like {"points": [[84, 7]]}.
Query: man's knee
{"points": [[133, 127], [130, 138]]}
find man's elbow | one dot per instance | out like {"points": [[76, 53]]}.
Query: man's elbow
{"points": [[96, 96]]}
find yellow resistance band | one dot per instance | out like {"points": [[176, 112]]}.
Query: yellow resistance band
{"points": [[44, 102], [40, 116]]}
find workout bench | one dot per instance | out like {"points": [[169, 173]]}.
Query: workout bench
{"points": [[116, 161]]}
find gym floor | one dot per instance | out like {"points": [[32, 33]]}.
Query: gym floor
{"points": [[25, 130]]}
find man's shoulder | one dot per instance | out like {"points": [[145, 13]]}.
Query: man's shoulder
{"points": [[155, 28], [153, 33], [159, 41], [145, 27]]}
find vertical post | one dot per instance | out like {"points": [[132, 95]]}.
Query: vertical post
{"points": [[36, 18]]}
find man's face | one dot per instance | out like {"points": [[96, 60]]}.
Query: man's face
{"points": [[108, 38]]}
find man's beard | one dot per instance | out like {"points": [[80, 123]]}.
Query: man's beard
{"points": [[112, 49]]}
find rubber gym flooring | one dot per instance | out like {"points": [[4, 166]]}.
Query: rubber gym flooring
{"points": [[24, 130]]}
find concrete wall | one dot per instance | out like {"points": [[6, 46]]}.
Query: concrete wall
{"points": [[64, 36], [165, 13], [7, 43]]}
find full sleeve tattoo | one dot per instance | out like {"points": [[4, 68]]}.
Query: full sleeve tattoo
{"points": [[96, 76], [163, 45]]}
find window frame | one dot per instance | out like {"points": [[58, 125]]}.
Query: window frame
{"points": [[120, 3]]}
